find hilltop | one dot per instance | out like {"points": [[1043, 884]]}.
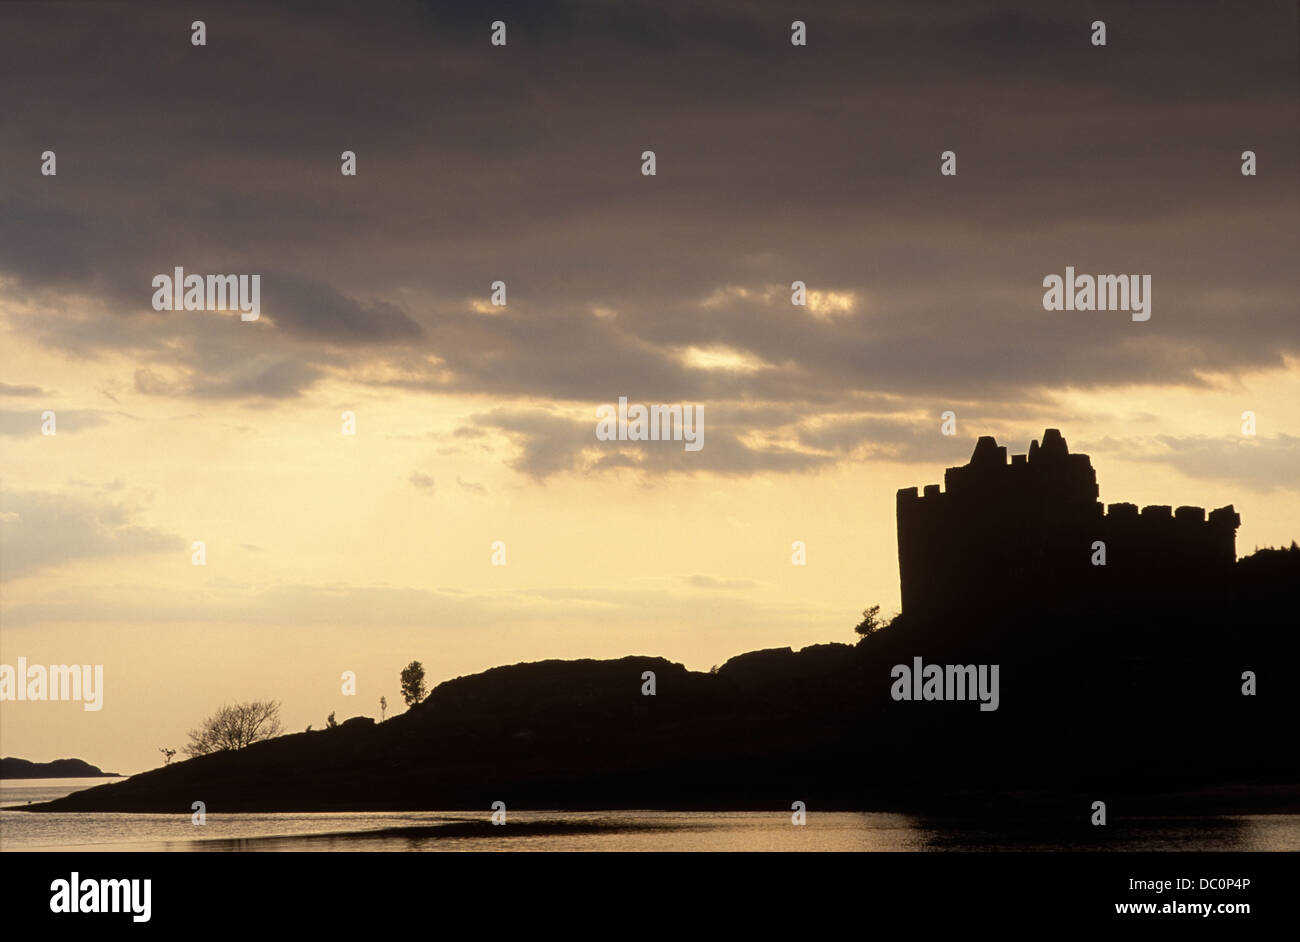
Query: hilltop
{"points": [[59, 768], [1132, 700]]}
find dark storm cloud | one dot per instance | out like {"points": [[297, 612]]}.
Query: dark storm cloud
{"points": [[774, 164], [192, 354], [320, 311]]}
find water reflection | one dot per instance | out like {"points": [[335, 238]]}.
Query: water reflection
{"points": [[614, 831]]}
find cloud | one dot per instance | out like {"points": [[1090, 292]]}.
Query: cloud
{"points": [[9, 389], [421, 482], [738, 439], [442, 608], [471, 486], [260, 377], [42, 530], [700, 581], [908, 440], [548, 443], [29, 422], [318, 310], [771, 169], [1259, 463]]}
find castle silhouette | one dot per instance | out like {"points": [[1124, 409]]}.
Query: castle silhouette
{"points": [[1032, 536]]}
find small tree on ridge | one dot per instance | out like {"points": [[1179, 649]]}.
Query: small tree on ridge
{"points": [[413, 689]]}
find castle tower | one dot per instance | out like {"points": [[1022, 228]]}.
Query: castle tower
{"points": [[1022, 535]]}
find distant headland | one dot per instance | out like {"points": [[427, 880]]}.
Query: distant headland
{"points": [[59, 768], [1130, 657]]}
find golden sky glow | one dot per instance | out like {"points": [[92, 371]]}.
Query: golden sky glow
{"points": [[475, 422], [323, 556]]}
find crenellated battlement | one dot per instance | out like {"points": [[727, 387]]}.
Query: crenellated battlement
{"points": [[1032, 530]]}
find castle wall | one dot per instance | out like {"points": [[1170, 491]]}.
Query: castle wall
{"points": [[1021, 535]]}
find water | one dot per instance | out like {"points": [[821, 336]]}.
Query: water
{"points": [[602, 830]]}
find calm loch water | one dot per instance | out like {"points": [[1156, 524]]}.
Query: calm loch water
{"points": [[596, 831]]}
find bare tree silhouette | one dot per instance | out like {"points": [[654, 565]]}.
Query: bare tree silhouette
{"points": [[235, 727]]}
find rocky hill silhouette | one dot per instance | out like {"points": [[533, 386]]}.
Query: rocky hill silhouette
{"points": [[1102, 693], [11, 767]]}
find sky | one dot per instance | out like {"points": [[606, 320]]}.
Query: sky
{"points": [[475, 423]]}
